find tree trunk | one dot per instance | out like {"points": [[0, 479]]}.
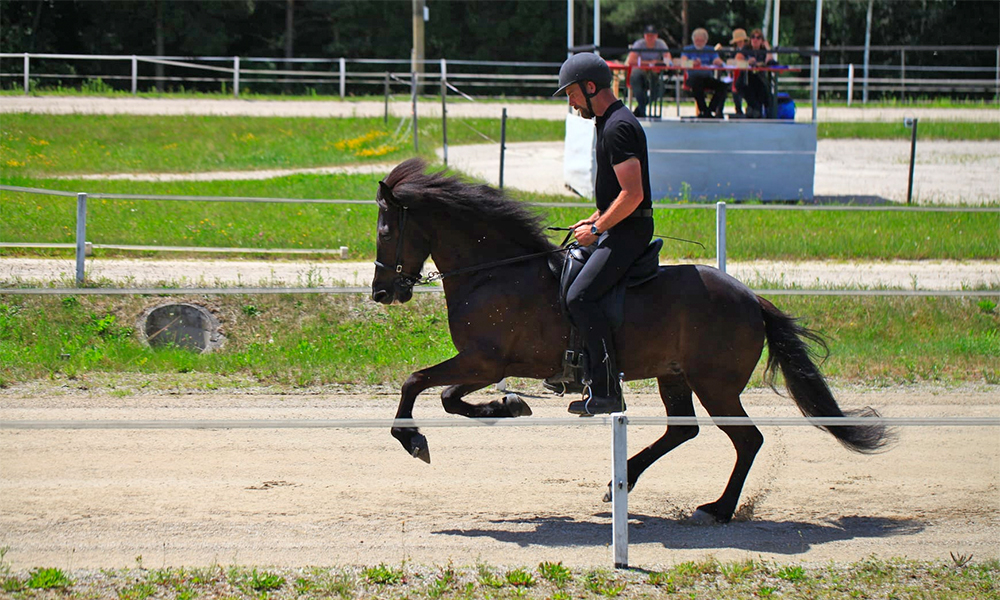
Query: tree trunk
{"points": [[684, 23], [159, 44], [289, 38]]}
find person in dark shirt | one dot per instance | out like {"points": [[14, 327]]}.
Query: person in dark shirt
{"points": [[647, 86], [621, 227], [699, 81], [754, 86]]}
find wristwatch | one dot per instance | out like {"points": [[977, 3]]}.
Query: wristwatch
{"points": [[594, 230]]}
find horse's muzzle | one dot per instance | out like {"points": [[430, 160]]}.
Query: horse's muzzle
{"points": [[391, 294]]}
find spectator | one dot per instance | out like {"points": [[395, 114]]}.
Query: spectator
{"points": [[699, 80], [647, 85], [739, 43], [753, 86]]}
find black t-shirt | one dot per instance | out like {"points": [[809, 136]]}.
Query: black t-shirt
{"points": [[619, 138]]}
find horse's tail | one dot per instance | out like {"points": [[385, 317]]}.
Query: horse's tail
{"points": [[787, 348]]}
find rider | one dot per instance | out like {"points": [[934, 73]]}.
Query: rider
{"points": [[621, 227]]}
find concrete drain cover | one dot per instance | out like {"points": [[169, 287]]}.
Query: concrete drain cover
{"points": [[187, 326]]}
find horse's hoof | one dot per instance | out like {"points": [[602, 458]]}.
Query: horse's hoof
{"points": [[607, 494], [516, 405], [413, 442], [701, 517], [419, 448]]}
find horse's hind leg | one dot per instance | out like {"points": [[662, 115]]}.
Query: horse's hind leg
{"points": [[747, 440], [451, 399], [676, 396]]}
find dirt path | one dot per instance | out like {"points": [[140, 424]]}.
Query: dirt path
{"points": [[946, 172], [910, 274], [516, 496], [554, 109]]}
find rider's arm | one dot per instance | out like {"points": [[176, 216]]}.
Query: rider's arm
{"points": [[629, 175]]}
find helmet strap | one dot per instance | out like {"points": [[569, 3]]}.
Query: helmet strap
{"points": [[587, 97]]}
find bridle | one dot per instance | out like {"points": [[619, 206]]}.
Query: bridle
{"points": [[403, 279], [407, 281]]}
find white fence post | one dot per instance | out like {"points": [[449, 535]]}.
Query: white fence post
{"points": [[850, 83], [619, 488], [343, 77], [81, 235], [27, 70], [135, 74], [720, 234], [236, 76]]}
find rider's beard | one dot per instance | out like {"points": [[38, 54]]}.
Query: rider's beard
{"points": [[586, 114]]}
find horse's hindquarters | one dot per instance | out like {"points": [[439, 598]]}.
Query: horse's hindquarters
{"points": [[691, 319]]}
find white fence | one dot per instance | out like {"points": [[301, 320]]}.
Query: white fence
{"points": [[82, 246], [354, 75]]}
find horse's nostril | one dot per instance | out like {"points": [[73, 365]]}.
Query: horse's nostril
{"points": [[379, 295]]}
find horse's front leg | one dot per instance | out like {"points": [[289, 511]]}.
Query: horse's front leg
{"points": [[511, 405], [459, 371]]}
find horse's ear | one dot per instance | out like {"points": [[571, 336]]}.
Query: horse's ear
{"points": [[385, 196]]}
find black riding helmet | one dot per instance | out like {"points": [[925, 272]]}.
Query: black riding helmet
{"points": [[585, 66]]}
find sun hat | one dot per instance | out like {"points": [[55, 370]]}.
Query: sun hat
{"points": [[739, 35]]}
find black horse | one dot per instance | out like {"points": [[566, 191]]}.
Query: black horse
{"points": [[694, 328]]}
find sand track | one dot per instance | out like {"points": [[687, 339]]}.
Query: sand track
{"points": [[504, 495]]}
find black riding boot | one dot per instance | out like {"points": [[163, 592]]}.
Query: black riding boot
{"points": [[603, 395]]}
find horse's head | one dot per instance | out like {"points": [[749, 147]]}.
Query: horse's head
{"points": [[401, 248]]}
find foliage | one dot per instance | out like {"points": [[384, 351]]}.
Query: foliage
{"points": [[869, 578], [555, 572], [305, 340], [48, 579], [345, 28], [383, 575]]}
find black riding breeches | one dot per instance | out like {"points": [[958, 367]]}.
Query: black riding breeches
{"points": [[616, 250]]}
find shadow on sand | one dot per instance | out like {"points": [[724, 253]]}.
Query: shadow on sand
{"points": [[778, 537]]}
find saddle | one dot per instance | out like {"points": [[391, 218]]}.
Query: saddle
{"points": [[644, 269]]}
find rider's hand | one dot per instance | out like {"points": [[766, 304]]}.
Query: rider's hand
{"points": [[582, 234]]}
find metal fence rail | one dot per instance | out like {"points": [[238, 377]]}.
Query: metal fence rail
{"points": [[366, 75], [82, 246]]}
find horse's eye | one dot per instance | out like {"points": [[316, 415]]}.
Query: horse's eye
{"points": [[383, 233]]}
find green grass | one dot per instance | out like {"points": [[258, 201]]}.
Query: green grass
{"points": [[751, 234], [926, 130], [309, 340], [37, 146], [48, 579], [870, 578], [34, 145]]}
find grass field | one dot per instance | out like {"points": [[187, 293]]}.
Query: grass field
{"points": [[749, 579], [305, 340], [41, 146]]}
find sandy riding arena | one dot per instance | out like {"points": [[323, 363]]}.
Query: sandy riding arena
{"points": [[101, 498]]}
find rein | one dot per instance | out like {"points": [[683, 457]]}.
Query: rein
{"points": [[664, 237]]}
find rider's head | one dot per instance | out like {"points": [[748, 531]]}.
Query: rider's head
{"points": [[590, 74]]}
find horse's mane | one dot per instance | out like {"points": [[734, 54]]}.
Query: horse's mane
{"points": [[414, 187]]}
